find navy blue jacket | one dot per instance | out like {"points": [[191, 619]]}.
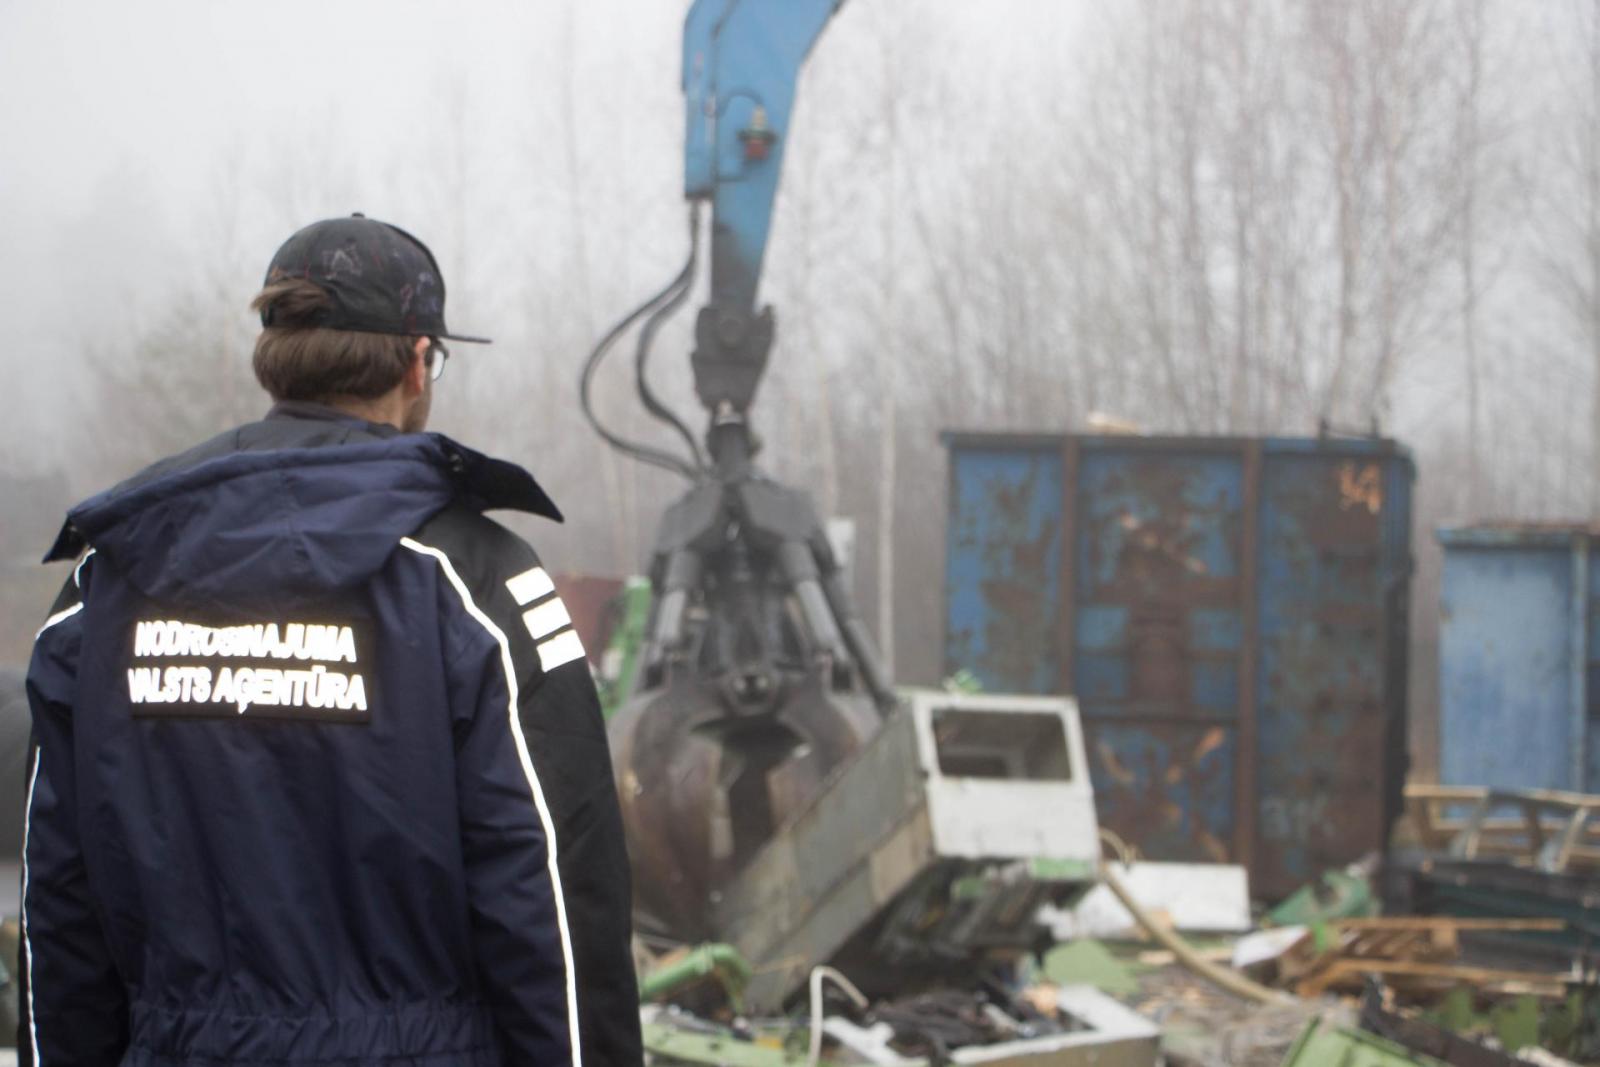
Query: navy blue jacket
{"points": [[321, 777]]}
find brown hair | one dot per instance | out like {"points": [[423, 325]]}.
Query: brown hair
{"points": [[295, 359]]}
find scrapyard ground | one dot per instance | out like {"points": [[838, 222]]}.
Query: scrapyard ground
{"points": [[1202, 1026]]}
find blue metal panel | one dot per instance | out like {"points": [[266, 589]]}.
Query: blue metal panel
{"points": [[1189, 559], [1592, 681], [1578, 671], [1157, 582], [1517, 659], [1156, 516], [741, 62], [1322, 664], [1175, 784], [1156, 598], [1003, 567]]}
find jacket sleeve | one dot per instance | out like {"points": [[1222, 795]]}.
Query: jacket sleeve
{"points": [[541, 828], [566, 736], [73, 1003]]}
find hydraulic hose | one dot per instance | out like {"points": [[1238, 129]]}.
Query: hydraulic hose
{"points": [[1224, 977], [647, 336], [672, 293]]}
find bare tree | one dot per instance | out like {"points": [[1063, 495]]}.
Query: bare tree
{"points": [[1208, 148], [1568, 258], [1471, 29]]}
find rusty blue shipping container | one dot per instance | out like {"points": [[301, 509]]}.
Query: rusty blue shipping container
{"points": [[1519, 658], [1231, 615]]}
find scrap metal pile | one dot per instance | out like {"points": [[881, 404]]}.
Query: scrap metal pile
{"points": [[1158, 962], [898, 912]]}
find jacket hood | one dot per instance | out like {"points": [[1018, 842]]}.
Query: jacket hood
{"points": [[287, 524]]}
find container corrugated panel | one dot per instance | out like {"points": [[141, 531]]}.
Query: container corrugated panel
{"points": [[1519, 658], [1231, 615]]}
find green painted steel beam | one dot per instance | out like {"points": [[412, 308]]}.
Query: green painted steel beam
{"points": [[1323, 1045], [627, 641], [721, 961]]}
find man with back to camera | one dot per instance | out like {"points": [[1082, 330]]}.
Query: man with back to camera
{"points": [[320, 774]]}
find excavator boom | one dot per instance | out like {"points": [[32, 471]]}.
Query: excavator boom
{"points": [[757, 677]]}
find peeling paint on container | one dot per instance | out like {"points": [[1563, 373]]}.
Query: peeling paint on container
{"points": [[1519, 657], [1231, 615]]}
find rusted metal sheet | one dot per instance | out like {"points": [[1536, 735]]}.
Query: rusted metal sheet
{"points": [[1166, 786], [1230, 614], [1005, 562], [1332, 637]]}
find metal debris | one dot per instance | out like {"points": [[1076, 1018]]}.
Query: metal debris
{"points": [[928, 856], [1190, 897], [1067, 1026]]}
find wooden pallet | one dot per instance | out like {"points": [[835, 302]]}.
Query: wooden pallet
{"points": [[1408, 953], [1542, 829]]}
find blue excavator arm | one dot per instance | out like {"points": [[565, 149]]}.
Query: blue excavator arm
{"points": [[756, 677], [741, 62]]}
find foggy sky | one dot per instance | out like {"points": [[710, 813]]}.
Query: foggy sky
{"points": [[121, 121], [537, 148]]}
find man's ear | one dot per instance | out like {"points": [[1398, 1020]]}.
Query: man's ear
{"points": [[416, 379]]}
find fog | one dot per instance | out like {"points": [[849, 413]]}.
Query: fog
{"points": [[1244, 217], [149, 141]]}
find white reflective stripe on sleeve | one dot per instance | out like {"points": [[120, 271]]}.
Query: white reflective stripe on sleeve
{"points": [[60, 616], [534, 788], [562, 648], [27, 828], [542, 620], [77, 572], [27, 944], [530, 585]]}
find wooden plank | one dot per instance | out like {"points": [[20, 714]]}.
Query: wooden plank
{"points": [[1446, 792], [1426, 825], [1554, 797], [1401, 946], [1349, 971], [1450, 971], [1569, 839], [1466, 843], [1509, 827], [1503, 797], [1535, 827], [1432, 922]]}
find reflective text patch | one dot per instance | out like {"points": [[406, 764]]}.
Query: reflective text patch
{"points": [[318, 672]]}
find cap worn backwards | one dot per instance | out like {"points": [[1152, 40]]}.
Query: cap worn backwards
{"points": [[379, 277]]}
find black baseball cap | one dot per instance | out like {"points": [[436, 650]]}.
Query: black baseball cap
{"points": [[381, 279]]}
